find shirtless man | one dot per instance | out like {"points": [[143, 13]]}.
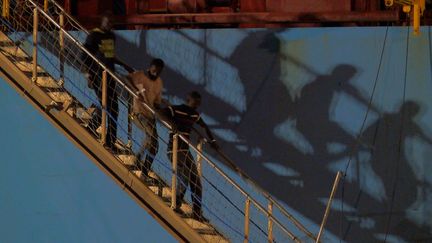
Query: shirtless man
{"points": [[148, 85]]}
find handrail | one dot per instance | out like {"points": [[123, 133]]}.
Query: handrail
{"points": [[242, 174], [69, 16], [168, 125], [238, 187]]}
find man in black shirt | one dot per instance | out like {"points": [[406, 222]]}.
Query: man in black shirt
{"points": [[183, 118], [101, 43]]}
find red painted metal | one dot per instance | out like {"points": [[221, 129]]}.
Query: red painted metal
{"points": [[251, 18], [92, 7], [252, 6], [240, 13], [308, 5]]}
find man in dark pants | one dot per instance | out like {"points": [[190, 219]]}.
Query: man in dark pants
{"points": [[101, 43], [148, 85], [183, 118]]}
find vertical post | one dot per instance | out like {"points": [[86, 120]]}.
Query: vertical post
{"points": [[246, 221], [35, 39], [416, 17], [327, 210], [199, 157], [270, 222], [5, 9], [174, 172], [67, 6], [104, 106], [45, 5], [61, 39], [130, 110]]}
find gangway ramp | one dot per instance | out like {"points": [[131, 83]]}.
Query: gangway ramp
{"points": [[48, 73]]}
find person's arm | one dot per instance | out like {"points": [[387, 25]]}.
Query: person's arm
{"points": [[91, 45], [158, 101], [137, 86], [167, 114], [419, 132], [128, 68], [212, 140], [353, 92], [117, 61]]}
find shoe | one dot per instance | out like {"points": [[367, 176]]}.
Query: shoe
{"points": [[112, 148], [178, 210], [199, 217]]}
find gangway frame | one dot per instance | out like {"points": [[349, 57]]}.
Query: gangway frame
{"points": [[106, 161]]}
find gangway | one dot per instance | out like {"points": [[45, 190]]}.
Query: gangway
{"points": [[40, 56]]}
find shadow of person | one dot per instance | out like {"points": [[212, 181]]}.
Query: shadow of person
{"points": [[314, 107], [270, 105], [291, 135], [389, 137], [277, 129]]}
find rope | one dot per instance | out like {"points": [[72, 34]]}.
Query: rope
{"points": [[361, 131], [400, 140]]}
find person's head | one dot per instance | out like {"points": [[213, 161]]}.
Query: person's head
{"points": [[155, 69], [410, 109], [343, 73], [105, 24], [193, 99]]}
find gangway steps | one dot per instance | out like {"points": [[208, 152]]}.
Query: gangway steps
{"points": [[71, 106], [160, 188]]}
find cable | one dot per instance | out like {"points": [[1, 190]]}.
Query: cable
{"points": [[400, 140], [361, 130]]}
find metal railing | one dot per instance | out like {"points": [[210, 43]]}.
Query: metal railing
{"points": [[234, 211]]}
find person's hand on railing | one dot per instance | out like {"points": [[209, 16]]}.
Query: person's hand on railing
{"points": [[165, 102], [89, 80], [128, 68], [214, 145]]}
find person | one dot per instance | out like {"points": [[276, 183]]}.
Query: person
{"points": [[183, 118], [148, 86], [101, 43]]}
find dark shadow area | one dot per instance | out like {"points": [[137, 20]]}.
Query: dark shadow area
{"points": [[388, 138], [263, 136]]}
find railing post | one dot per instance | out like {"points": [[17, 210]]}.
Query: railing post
{"points": [[416, 17], [174, 172], [199, 157], [104, 106], [35, 39], [270, 222], [130, 110], [61, 40], [327, 210], [246, 221], [5, 9], [45, 5], [67, 6]]}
